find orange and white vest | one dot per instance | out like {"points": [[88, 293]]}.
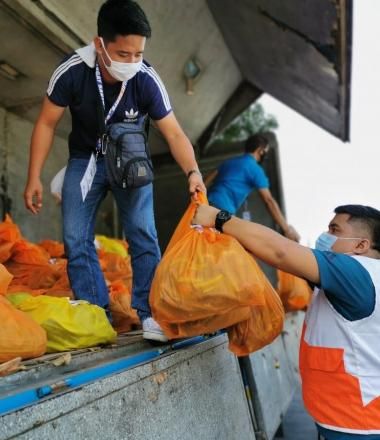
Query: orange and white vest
{"points": [[340, 364]]}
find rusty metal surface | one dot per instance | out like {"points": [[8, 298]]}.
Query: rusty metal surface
{"points": [[298, 51]]}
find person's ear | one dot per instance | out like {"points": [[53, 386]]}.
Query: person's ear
{"points": [[98, 45], [363, 246]]}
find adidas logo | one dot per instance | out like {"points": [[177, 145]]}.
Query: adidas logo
{"points": [[131, 115]]}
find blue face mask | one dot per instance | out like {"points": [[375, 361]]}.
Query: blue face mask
{"points": [[325, 241]]}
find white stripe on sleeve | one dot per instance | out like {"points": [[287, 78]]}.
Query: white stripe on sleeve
{"points": [[154, 75], [72, 61]]}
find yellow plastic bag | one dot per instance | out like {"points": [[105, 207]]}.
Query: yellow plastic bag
{"points": [[20, 336], [263, 326], [295, 293], [69, 325], [206, 281], [112, 245]]}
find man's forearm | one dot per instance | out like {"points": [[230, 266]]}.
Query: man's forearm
{"points": [[263, 242], [42, 139], [183, 153], [276, 214]]}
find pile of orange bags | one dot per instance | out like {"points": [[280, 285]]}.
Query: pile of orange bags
{"points": [[295, 293], [41, 269], [207, 281]]}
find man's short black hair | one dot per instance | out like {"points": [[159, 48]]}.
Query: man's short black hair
{"points": [[369, 217], [254, 142], [122, 17]]}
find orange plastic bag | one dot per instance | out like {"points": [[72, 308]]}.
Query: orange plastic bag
{"points": [[61, 288], [32, 275], [115, 267], [5, 279], [263, 326], [29, 253], [294, 292], [20, 336], [206, 281], [9, 231], [123, 316], [9, 234], [54, 248], [5, 251]]}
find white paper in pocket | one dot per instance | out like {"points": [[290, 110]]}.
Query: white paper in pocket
{"points": [[57, 183]]}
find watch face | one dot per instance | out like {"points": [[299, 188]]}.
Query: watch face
{"points": [[223, 215], [221, 218]]}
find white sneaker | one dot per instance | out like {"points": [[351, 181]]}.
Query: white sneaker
{"points": [[152, 331]]}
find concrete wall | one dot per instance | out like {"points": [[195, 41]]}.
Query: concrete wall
{"points": [[14, 143]]}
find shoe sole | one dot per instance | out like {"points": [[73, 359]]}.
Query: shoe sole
{"points": [[155, 336]]}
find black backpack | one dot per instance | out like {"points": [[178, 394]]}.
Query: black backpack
{"points": [[126, 152]]}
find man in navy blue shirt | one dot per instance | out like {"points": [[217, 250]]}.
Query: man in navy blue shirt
{"points": [[111, 68], [340, 356], [236, 178]]}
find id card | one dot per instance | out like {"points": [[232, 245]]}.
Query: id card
{"points": [[88, 178]]}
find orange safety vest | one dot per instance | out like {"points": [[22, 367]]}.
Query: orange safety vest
{"points": [[340, 364]]}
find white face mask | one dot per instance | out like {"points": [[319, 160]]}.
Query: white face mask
{"points": [[326, 241], [121, 71]]}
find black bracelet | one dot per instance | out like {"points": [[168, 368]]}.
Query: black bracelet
{"points": [[192, 172]]}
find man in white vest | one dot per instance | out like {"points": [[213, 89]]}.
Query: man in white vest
{"points": [[340, 349]]}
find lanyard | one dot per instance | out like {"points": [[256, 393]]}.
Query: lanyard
{"points": [[112, 109]]}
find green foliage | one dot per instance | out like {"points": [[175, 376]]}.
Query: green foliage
{"points": [[251, 121]]}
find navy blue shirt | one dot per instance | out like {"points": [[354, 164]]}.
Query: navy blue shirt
{"points": [[349, 288], [73, 85], [235, 180]]}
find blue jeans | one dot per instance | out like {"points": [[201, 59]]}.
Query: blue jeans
{"points": [[136, 213]]}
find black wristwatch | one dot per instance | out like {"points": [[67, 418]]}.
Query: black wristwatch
{"points": [[221, 218]]}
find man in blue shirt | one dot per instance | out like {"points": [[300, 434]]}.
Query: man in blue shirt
{"points": [[340, 356], [236, 178], [111, 68]]}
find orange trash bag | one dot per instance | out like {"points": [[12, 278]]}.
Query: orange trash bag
{"points": [[294, 292], [9, 234], [54, 248], [20, 336], [114, 266], [205, 281], [32, 275], [5, 279], [263, 326], [123, 316], [29, 253]]}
